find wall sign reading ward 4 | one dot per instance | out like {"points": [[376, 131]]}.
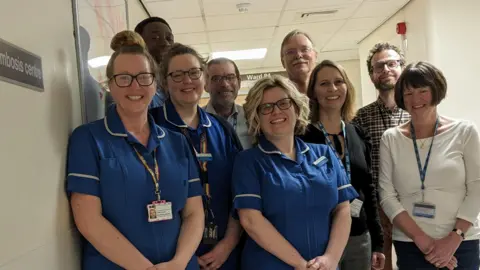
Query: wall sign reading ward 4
{"points": [[20, 67]]}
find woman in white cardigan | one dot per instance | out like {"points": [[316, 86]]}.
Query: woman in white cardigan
{"points": [[430, 178]]}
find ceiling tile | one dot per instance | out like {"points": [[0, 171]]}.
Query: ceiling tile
{"points": [[240, 45], [242, 34], [376, 8], [192, 38], [272, 59], [295, 16], [174, 9], [201, 48], [320, 32], [362, 24], [324, 4], [242, 21], [217, 7], [249, 64], [339, 46], [187, 25]]}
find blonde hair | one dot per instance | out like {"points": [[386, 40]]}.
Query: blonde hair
{"points": [[254, 100], [348, 108]]}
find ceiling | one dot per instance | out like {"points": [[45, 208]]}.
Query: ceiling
{"points": [[217, 25]]}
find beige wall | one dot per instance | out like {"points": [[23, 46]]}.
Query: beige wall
{"points": [[35, 227]]}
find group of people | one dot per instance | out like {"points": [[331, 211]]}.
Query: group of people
{"points": [[293, 179]]}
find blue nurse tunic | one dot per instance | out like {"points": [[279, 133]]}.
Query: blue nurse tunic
{"points": [[103, 163], [297, 197], [220, 168]]}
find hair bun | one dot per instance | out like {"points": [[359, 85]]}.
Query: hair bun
{"points": [[126, 38]]}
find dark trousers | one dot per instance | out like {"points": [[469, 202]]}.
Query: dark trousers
{"points": [[409, 257]]}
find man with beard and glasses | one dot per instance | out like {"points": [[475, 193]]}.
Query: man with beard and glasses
{"points": [[223, 83], [385, 64]]}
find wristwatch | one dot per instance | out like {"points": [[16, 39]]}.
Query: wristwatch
{"points": [[459, 232]]}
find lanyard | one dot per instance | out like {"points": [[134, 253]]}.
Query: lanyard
{"points": [[385, 126], [155, 175], [423, 171], [234, 124], [330, 144], [203, 164]]}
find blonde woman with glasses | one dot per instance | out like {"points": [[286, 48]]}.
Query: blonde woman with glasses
{"points": [[291, 197]]}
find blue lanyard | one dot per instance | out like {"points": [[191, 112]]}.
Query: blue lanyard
{"points": [[234, 124], [330, 144], [422, 171]]}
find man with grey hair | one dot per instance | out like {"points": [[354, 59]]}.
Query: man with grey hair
{"points": [[223, 84]]}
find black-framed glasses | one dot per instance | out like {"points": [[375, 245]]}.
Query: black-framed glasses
{"points": [[179, 75], [228, 78], [391, 64], [126, 80], [282, 104]]}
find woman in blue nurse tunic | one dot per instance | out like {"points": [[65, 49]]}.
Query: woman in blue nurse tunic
{"points": [[183, 76], [292, 197], [134, 187]]}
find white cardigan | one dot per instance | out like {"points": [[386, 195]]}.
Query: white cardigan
{"points": [[452, 181]]}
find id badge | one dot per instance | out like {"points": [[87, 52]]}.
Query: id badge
{"points": [[355, 208], [202, 157], [210, 234], [159, 211], [425, 210]]}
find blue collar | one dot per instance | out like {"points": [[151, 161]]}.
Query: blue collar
{"points": [[173, 117], [269, 148], [115, 127]]}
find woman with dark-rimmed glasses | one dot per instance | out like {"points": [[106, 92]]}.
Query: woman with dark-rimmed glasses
{"points": [[134, 186], [215, 145], [292, 197]]}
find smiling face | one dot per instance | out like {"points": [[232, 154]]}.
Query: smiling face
{"points": [[185, 79], [298, 56], [330, 89], [280, 121], [418, 102], [134, 98], [223, 84], [386, 70]]}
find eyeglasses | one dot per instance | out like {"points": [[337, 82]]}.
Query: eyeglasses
{"points": [[380, 66], [292, 53], [126, 80], [228, 78], [282, 104], [179, 75]]}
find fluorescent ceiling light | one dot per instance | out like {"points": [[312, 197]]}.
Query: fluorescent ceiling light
{"points": [[242, 54], [98, 61]]}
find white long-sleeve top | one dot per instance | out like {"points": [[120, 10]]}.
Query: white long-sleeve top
{"points": [[452, 181]]}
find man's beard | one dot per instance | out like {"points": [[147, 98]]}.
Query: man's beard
{"points": [[384, 87]]}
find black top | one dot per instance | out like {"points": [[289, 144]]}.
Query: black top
{"points": [[359, 148]]}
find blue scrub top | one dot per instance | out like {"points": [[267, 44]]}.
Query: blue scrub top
{"points": [[297, 197], [103, 163], [219, 169]]}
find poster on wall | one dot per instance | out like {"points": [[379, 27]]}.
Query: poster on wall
{"points": [[21, 67]]}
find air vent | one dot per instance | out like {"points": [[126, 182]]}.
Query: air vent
{"points": [[307, 15]]}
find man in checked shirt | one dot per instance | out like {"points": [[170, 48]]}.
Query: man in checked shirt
{"points": [[385, 64]]}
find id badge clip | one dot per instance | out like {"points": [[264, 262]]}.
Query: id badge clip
{"points": [[159, 211], [210, 234], [356, 208], [204, 157], [423, 209]]}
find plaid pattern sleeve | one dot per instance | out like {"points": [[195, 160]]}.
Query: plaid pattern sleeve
{"points": [[375, 118]]}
